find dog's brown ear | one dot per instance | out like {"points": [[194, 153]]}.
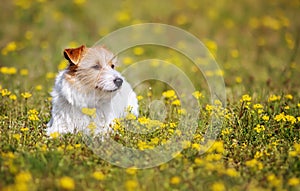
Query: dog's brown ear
{"points": [[73, 55]]}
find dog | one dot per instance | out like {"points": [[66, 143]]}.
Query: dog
{"points": [[89, 81]]}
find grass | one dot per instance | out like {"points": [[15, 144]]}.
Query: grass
{"points": [[256, 44]]}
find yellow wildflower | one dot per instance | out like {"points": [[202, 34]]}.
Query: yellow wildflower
{"points": [[175, 180], [5, 92], [23, 72], [259, 128], [265, 118], [273, 98], [176, 102], [98, 175], [288, 96], [294, 181], [131, 171], [26, 95], [245, 98], [257, 106], [197, 94], [67, 183], [89, 111], [280, 117], [13, 97], [169, 94], [54, 135], [138, 51], [218, 186], [131, 185]]}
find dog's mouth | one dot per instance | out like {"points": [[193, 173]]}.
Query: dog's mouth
{"points": [[108, 91]]}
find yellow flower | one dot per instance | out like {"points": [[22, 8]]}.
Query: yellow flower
{"points": [[54, 135], [257, 106], [288, 96], [280, 117], [273, 180], [26, 95], [13, 97], [139, 97], [89, 111], [175, 180], [127, 60], [23, 177], [231, 172], [10, 47], [79, 2], [33, 115], [197, 94], [169, 94], [16, 136], [291, 119], [218, 186], [245, 98], [67, 183], [50, 75], [131, 171], [98, 175], [259, 128], [265, 118], [122, 17], [234, 53], [131, 185], [62, 65], [254, 164], [38, 87], [294, 181], [273, 98], [23, 72], [24, 129], [8, 70], [138, 51], [176, 102], [5, 92], [238, 79]]}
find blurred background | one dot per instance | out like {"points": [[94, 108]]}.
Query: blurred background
{"points": [[256, 43]]}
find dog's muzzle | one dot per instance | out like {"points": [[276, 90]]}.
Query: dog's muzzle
{"points": [[118, 82]]}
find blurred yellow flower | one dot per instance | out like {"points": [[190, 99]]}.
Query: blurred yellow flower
{"points": [[26, 95], [10, 47], [294, 181], [38, 87], [98, 175], [13, 97], [50, 75], [288, 96], [122, 17], [127, 60], [131, 185], [67, 183], [54, 135], [197, 94], [89, 111], [254, 164], [218, 186], [259, 128], [131, 171], [273, 98], [176, 102], [238, 79], [138, 51], [8, 70], [175, 180], [5, 92], [79, 2], [169, 94], [62, 65], [24, 72], [245, 98]]}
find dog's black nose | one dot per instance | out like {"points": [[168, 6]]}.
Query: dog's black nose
{"points": [[118, 82]]}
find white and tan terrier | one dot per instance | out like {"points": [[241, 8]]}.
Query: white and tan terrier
{"points": [[89, 81]]}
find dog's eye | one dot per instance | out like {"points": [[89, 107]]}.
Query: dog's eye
{"points": [[96, 67], [112, 66]]}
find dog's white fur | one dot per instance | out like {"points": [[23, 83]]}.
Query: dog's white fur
{"points": [[88, 82]]}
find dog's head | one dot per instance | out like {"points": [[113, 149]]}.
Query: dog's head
{"points": [[92, 69]]}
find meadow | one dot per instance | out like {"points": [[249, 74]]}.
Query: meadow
{"points": [[256, 44]]}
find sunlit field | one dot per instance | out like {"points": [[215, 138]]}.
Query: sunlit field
{"points": [[256, 45]]}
